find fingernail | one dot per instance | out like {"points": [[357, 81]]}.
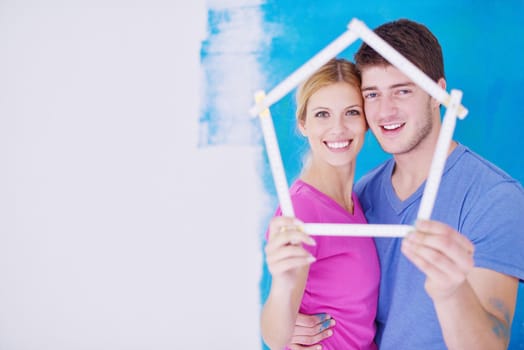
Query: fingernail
{"points": [[325, 324], [311, 241], [322, 316], [311, 259]]}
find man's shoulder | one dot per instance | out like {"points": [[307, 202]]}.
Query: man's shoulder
{"points": [[373, 176], [483, 171], [478, 185]]}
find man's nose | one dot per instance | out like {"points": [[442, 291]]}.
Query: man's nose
{"points": [[387, 107]]}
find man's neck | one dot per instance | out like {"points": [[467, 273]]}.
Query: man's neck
{"points": [[412, 169]]}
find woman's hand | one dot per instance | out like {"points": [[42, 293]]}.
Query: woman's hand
{"points": [[284, 251]]}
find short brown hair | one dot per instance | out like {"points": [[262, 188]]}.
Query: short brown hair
{"points": [[335, 70], [411, 39]]}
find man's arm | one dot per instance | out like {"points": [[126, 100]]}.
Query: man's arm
{"points": [[474, 306]]}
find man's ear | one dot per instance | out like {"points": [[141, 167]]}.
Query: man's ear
{"points": [[442, 83]]}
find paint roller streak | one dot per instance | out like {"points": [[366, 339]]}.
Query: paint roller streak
{"points": [[231, 72]]}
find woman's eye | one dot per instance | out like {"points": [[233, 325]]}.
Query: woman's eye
{"points": [[322, 114], [352, 112]]}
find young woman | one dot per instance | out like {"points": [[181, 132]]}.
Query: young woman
{"points": [[337, 275]]}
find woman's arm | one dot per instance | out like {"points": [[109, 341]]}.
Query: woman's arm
{"points": [[288, 263]]}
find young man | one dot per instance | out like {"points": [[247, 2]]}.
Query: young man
{"points": [[452, 283]]}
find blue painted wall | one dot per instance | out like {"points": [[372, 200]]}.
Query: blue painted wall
{"points": [[483, 44]]}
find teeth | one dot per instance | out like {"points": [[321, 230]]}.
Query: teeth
{"points": [[392, 126], [337, 144]]}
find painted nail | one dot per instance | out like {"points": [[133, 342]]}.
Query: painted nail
{"points": [[322, 316], [325, 324]]}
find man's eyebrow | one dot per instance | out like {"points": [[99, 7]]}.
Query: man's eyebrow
{"points": [[394, 86], [406, 84]]}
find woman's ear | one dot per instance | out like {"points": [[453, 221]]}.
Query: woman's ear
{"points": [[302, 127]]}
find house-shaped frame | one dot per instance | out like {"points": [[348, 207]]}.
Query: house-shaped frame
{"points": [[358, 30]]}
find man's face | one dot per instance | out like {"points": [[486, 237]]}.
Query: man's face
{"points": [[399, 113]]}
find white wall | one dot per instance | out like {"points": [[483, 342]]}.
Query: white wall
{"points": [[116, 231]]}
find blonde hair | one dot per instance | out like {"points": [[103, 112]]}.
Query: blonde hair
{"points": [[334, 71]]}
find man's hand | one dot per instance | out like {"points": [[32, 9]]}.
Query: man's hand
{"points": [[474, 305], [442, 254], [310, 330]]}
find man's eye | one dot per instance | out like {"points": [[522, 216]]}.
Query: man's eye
{"points": [[370, 95], [322, 114], [403, 92]]}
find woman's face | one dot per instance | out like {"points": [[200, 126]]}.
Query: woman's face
{"points": [[335, 124]]}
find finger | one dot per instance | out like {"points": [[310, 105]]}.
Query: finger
{"points": [[311, 339], [446, 239], [278, 222], [434, 247], [289, 264], [441, 229], [280, 252], [291, 236], [314, 330], [302, 347], [434, 264], [306, 347], [286, 252], [311, 320]]}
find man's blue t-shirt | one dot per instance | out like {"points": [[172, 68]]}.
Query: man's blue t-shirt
{"points": [[477, 199]]}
